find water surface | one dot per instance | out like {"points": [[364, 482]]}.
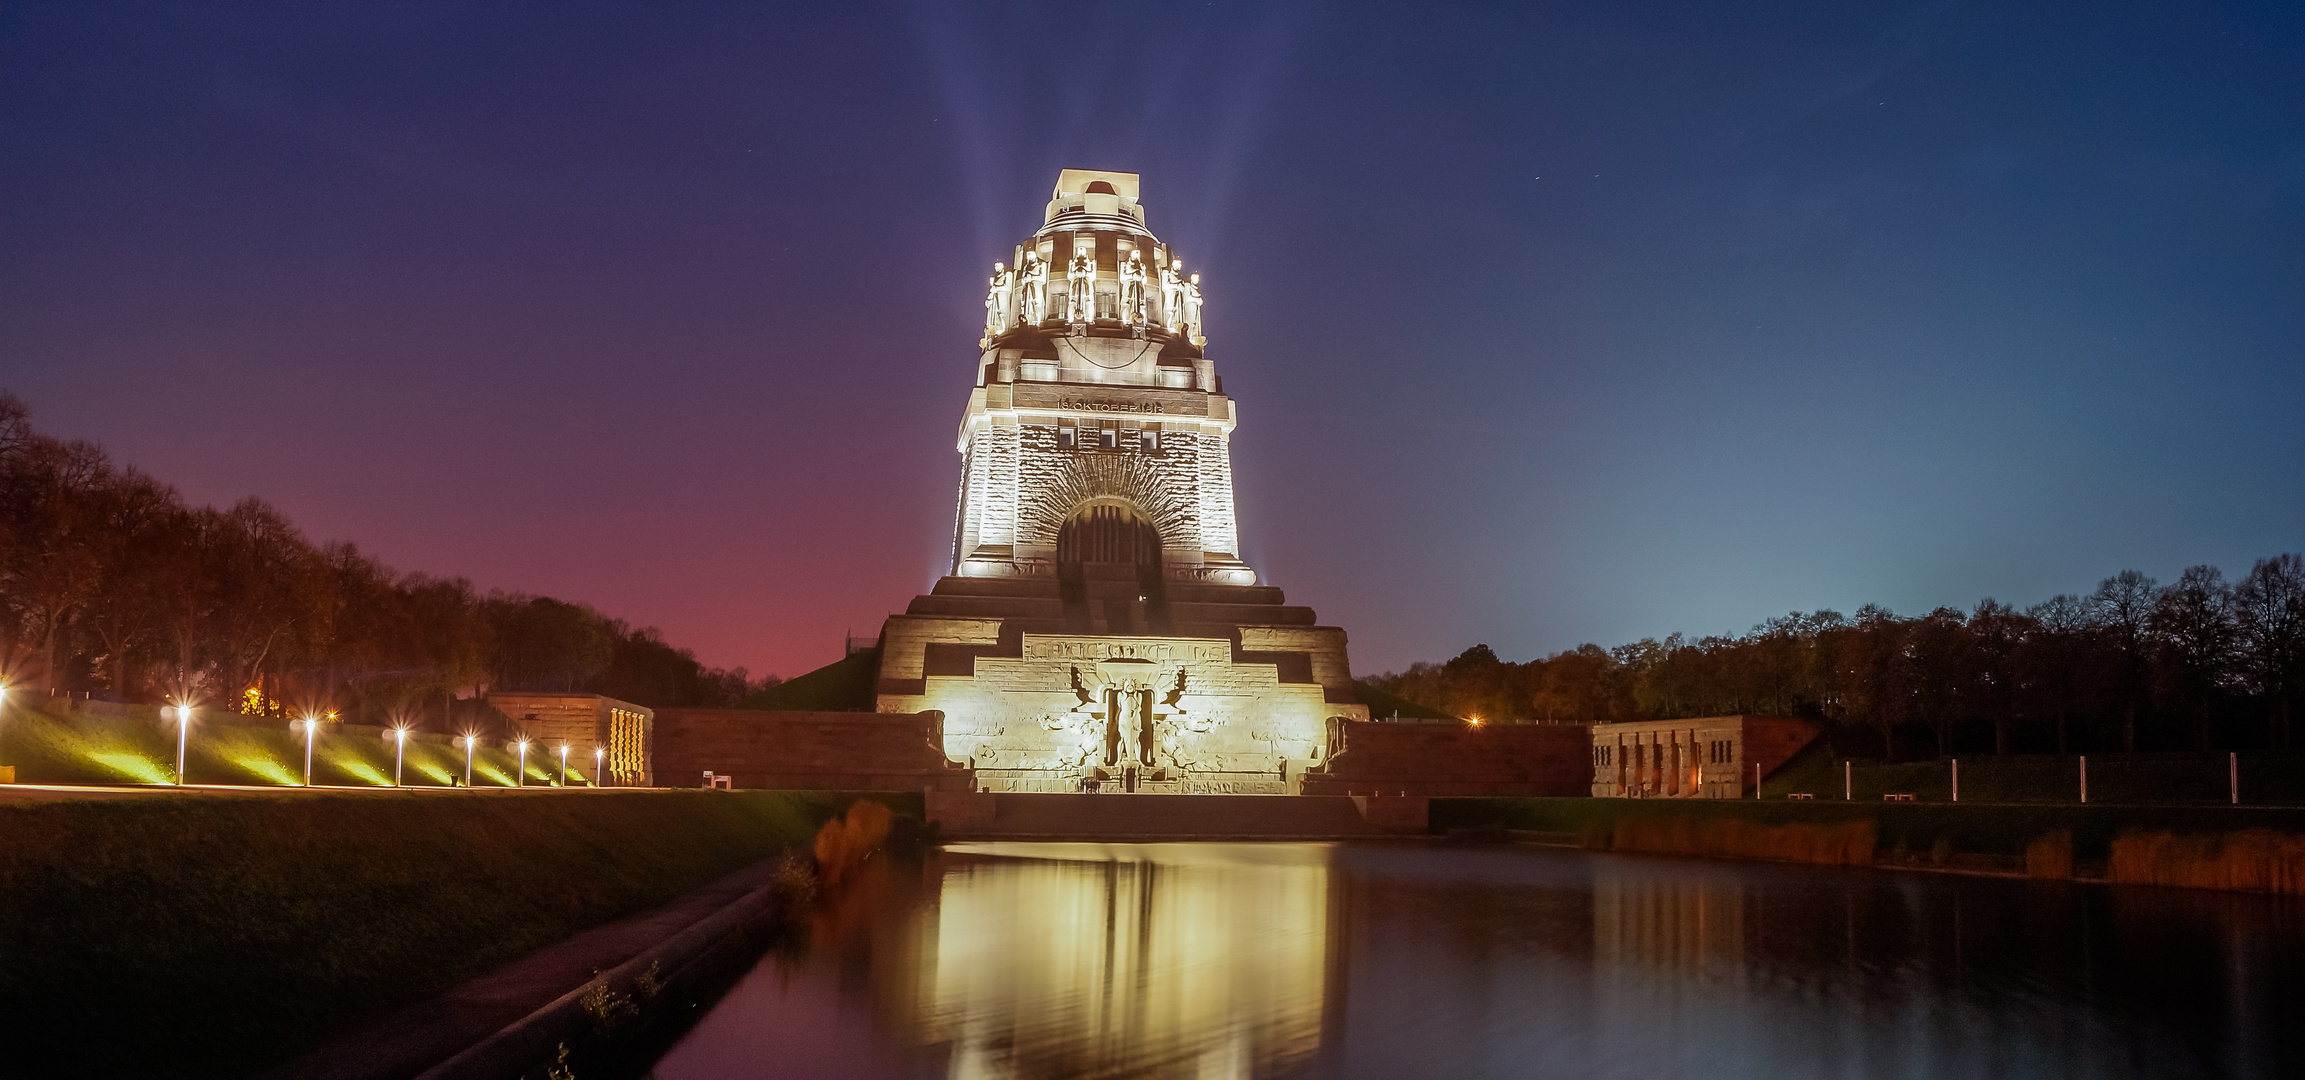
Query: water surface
{"points": [[1207, 961]]}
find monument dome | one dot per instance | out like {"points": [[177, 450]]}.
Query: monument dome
{"points": [[1098, 629]]}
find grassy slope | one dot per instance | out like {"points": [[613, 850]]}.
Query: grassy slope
{"points": [[2266, 778], [1384, 706], [87, 749], [844, 685], [220, 933], [1982, 830]]}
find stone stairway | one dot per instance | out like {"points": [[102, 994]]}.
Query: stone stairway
{"points": [[1118, 817]]}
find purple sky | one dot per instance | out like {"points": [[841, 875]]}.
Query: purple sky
{"points": [[1548, 324]]}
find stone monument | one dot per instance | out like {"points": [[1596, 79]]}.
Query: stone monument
{"points": [[1099, 631]]}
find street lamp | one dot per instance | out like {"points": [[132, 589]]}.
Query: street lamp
{"points": [[523, 773], [599, 754], [468, 741], [399, 752], [183, 734], [311, 732], [563, 764]]}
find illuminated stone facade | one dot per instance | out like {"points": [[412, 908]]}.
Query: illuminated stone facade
{"points": [[1099, 628], [621, 732], [1712, 757]]}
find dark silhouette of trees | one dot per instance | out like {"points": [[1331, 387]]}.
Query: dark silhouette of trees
{"points": [[111, 585], [2121, 607], [2195, 665], [2269, 624]]}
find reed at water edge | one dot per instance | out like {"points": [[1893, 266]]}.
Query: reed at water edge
{"points": [[2249, 860], [1844, 843]]}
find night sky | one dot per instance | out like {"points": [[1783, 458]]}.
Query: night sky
{"points": [[1548, 324]]}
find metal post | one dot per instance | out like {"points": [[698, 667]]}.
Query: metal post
{"points": [[2233, 775], [1848, 786], [183, 731], [1956, 779], [399, 752], [1756, 781], [468, 741], [2084, 779], [311, 730]]}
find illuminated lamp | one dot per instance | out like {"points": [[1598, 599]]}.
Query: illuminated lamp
{"points": [[311, 727], [183, 736]]}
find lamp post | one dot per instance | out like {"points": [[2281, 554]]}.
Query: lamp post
{"points": [[599, 755], [522, 775], [468, 741], [563, 764], [311, 732], [183, 735], [399, 752]]}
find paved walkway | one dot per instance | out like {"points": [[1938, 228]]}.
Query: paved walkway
{"points": [[421, 1036]]}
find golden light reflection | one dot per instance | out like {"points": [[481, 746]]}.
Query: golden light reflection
{"points": [[1201, 961], [1646, 920]]}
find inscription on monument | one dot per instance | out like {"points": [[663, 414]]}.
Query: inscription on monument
{"points": [[1105, 648], [1112, 406]]}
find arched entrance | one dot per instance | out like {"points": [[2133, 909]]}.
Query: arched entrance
{"points": [[1108, 560]]}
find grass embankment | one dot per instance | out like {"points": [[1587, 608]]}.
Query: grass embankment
{"points": [[133, 745], [205, 935], [2242, 848], [2268, 778]]}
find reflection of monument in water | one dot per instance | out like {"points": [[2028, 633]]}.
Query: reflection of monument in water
{"points": [[1194, 964], [1099, 629]]}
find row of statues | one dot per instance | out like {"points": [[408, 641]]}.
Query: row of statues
{"points": [[1021, 296]]}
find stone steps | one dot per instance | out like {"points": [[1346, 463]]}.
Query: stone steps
{"points": [[1121, 817]]}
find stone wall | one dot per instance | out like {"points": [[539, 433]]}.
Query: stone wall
{"points": [[584, 722], [1450, 758], [806, 751], [1706, 757]]}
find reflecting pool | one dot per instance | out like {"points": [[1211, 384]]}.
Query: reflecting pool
{"points": [[1206, 961]]}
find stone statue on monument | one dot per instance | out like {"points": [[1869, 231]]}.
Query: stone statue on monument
{"points": [[1130, 717], [1193, 311], [1000, 291], [1081, 294], [1033, 286], [1173, 296], [1132, 293]]}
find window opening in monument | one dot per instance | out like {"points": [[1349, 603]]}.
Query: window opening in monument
{"points": [[1065, 437], [1109, 438], [1109, 571], [1099, 187]]}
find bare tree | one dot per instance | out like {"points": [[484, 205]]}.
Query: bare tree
{"points": [[2192, 621], [2120, 607], [2052, 655], [2269, 613]]}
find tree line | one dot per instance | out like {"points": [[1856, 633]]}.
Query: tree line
{"points": [[2198, 664], [111, 585]]}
